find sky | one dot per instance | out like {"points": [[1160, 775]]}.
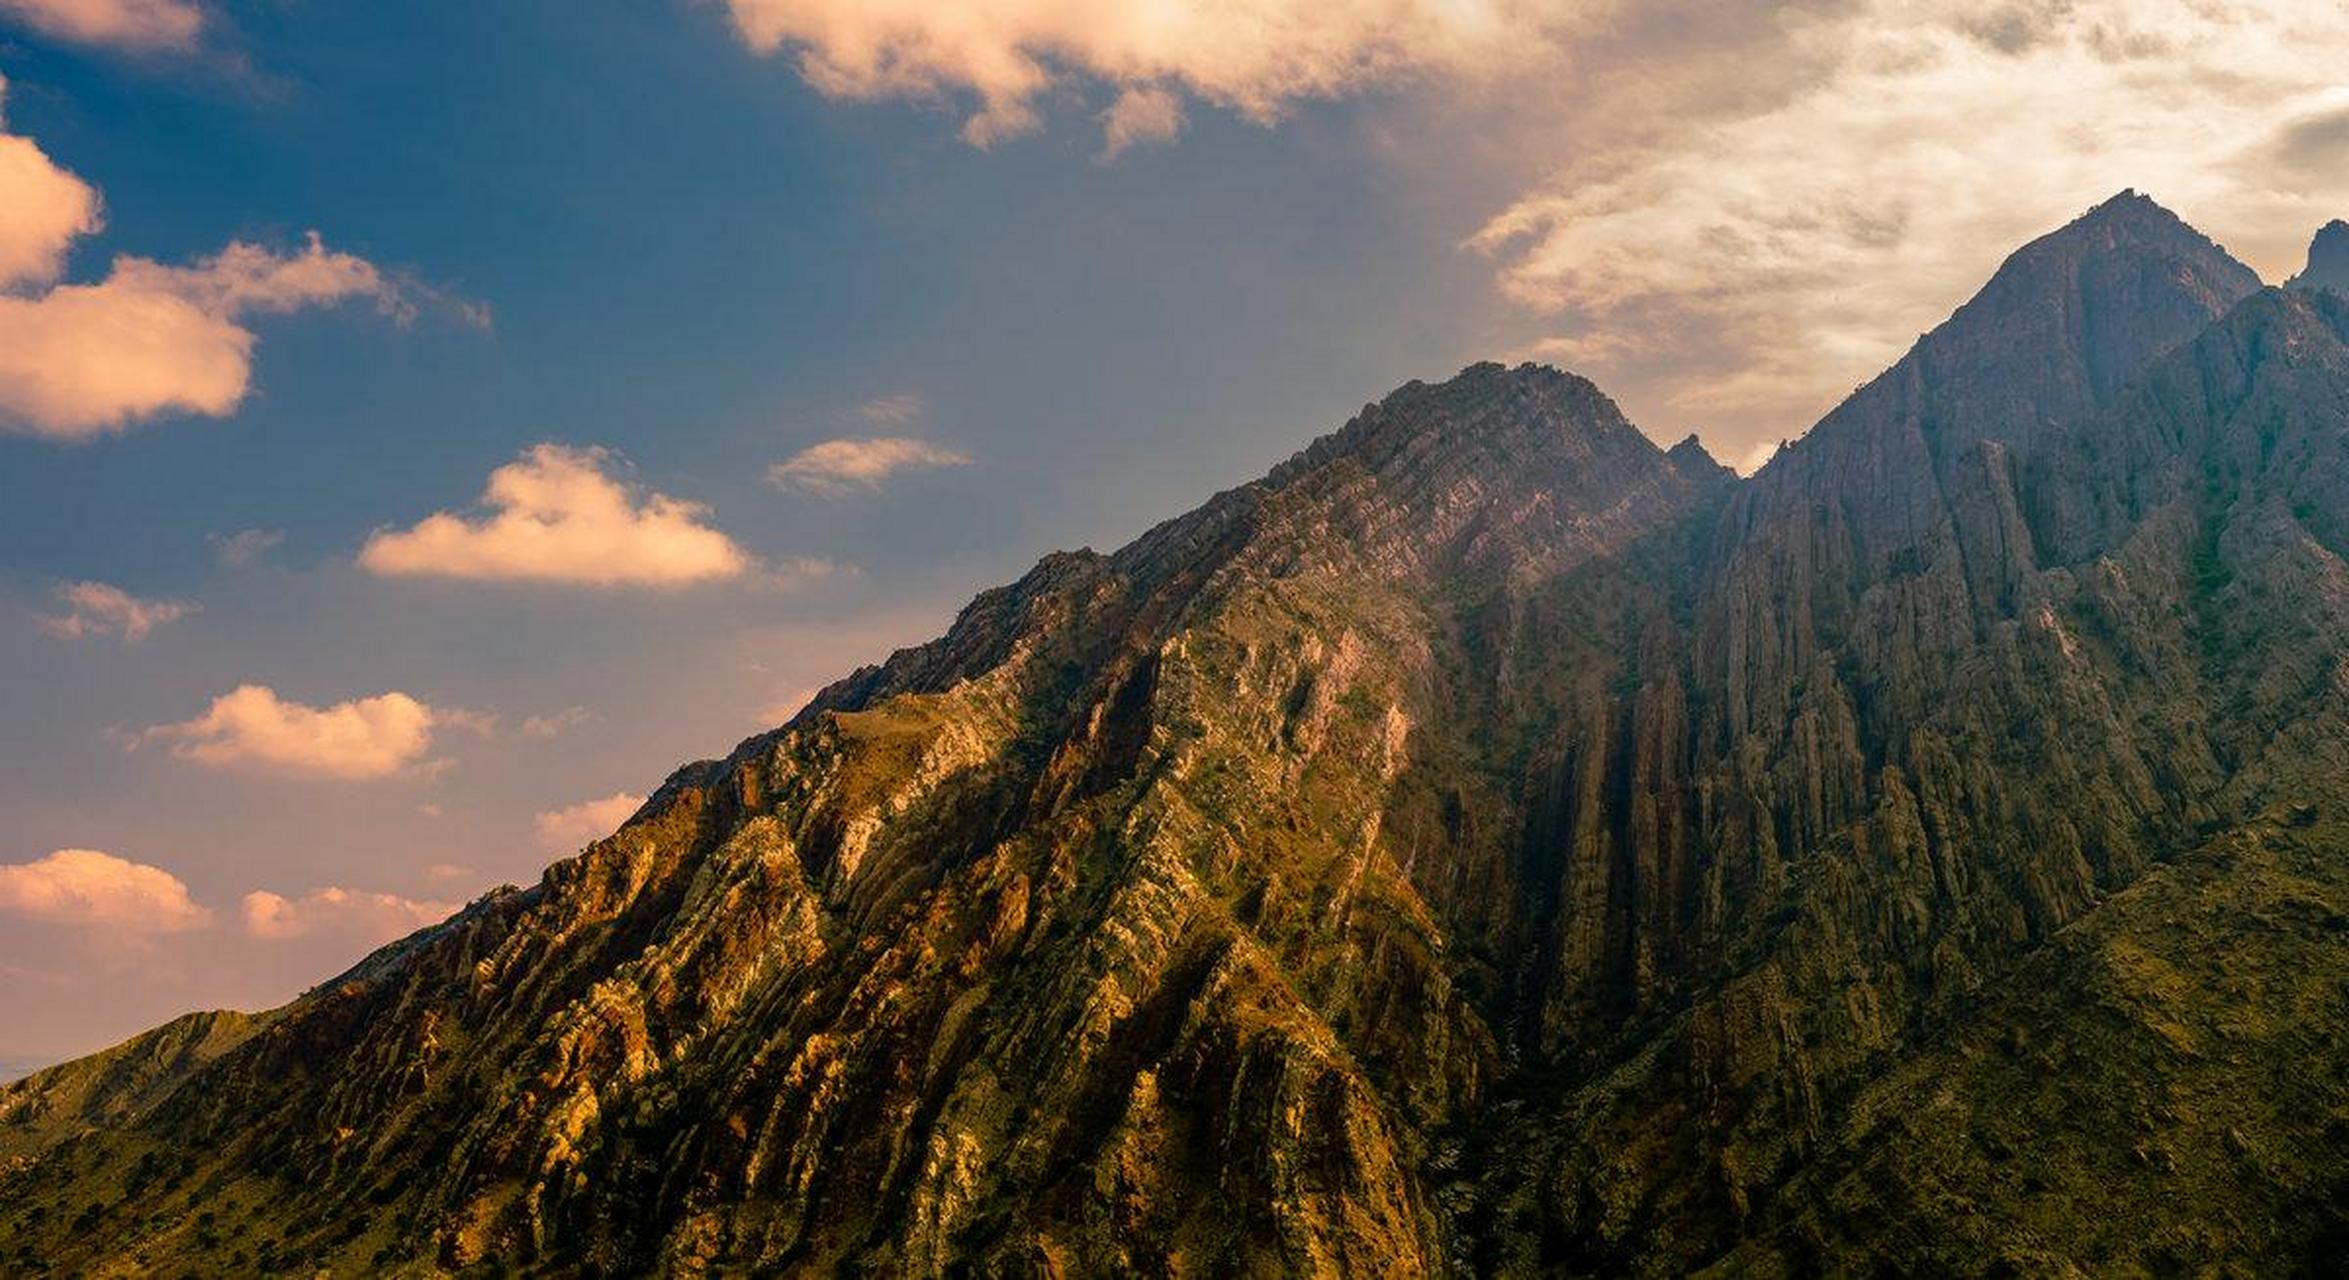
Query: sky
{"points": [[424, 426]]}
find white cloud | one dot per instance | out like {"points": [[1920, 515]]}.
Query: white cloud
{"points": [[139, 25], [1784, 216], [369, 917], [87, 888], [837, 467], [97, 609], [566, 829], [558, 515], [1256, 57], [375, 737]]}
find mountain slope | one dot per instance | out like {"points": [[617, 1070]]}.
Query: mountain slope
{"points": [[1488, 844]]}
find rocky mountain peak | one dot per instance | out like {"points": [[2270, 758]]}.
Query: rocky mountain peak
{"points": [[2328, 260], [1488, 844]]}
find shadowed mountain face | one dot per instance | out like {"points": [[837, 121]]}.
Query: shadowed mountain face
{"points": [[1489, 844], [2328, 261]]}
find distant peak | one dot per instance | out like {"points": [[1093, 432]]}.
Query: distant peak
{"points": [[1694, 460], [2328, 260]]}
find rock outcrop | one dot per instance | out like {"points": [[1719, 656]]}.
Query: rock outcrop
{"points": [[1489, 844]]}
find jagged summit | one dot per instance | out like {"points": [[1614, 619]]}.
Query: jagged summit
{"points": [[2328, 260]]}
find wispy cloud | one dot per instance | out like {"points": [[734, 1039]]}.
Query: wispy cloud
{"points": [[566, 829], [99, 609], [133, 25], [560, 514], [351, 913], [245, 546], [899, 410], [83, 887], [363, 738], [844, 466]]}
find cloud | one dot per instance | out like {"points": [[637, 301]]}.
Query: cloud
{"points": [[838, 467], [565, 830], [1255, 57], [97, 609], [375, 737], [901, 410], [136, 25], [43, 210], [87, 888], [1784, 210], [549, 726], [1140, 115], [81, 360], [246, 545], [559, 515], [371, 917]]}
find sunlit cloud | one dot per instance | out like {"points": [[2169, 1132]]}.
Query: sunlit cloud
{"points": [[566, 829], [99, 609], [136, 25], [348, 913], [837, 467], [82, 360], [1141, 114], [559, 514], [375, 737], [43, 210], [86, 888], [1254, 57]]}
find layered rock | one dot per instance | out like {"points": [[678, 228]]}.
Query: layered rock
{"points": [[1489, 844]]}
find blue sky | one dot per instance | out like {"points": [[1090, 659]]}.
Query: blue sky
{"points": [[709, 236]]}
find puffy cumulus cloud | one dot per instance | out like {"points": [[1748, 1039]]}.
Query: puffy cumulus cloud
{"points": [[375, 737], [143, 25], [43, 210], [1741, 233], [565, 829], [98, 609], [1255, 57], [345, 913], [558, 514], [81, 360], [837, 467], [83, 887]]}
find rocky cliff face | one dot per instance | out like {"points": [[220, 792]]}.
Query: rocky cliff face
{"points": [[1489, 844]]}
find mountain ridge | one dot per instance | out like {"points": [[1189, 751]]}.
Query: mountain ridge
{"points": [[1490, 843]]}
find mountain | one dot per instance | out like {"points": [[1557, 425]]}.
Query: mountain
{"points": [[1489, 844], [2328, 260]]}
